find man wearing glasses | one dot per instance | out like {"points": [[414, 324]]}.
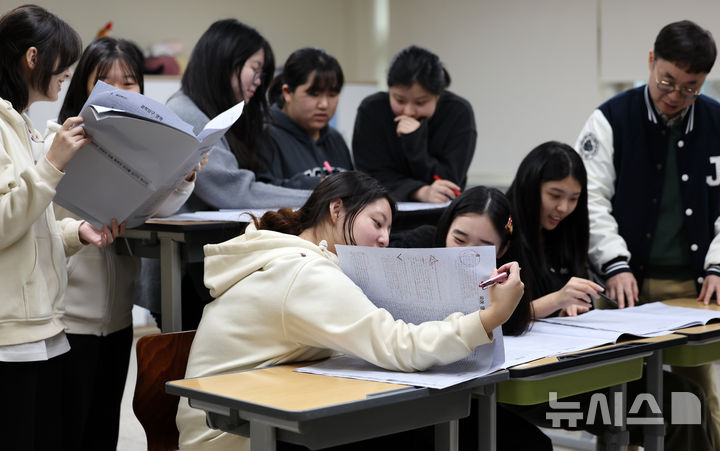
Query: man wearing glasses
{"points": [[653, 160]]}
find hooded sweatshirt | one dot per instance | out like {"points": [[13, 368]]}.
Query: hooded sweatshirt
{"points": [[297, 160], [33, 245], [279, 299]]}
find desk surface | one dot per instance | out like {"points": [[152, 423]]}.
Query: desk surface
{"points": [[280, 387]]}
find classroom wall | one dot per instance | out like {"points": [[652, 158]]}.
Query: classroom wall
{"points": [[533, 71]]}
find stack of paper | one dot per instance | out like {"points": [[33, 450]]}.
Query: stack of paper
{"points": [[141, 151]]}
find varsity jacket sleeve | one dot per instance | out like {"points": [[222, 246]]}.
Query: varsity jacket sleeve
{"points": [[608, 250], [712, 258], [353, 325]]}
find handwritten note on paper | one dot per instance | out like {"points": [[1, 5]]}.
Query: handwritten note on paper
{"points": [[418, 285]]}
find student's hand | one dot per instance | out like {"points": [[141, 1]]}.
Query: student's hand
{"points": [[90, 234], [439, 192], [578, 293], [200, 166], [623, 287], [406, 124], [574, 310], [710, 286], [504, 296], [68, 140]]}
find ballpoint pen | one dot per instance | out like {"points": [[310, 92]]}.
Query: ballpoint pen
{"points": [[496, 279]]}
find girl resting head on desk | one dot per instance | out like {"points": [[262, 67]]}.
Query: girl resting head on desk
{"points": [[280, 296], [305, 96], [549, 206]]}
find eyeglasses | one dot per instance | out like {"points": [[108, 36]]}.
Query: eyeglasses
{"points": [[686, 92]]}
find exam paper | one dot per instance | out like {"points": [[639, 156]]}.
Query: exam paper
{"points": [[418, 285], [547, 339], [646, 320], [141, 151]]}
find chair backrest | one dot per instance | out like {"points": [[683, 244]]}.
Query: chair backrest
{"points": [[160, 358]]}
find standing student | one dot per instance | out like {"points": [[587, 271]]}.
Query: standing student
{"points": [[231, 63], [277, 300], [305, 95], [417, 139], [654, 183], [99, 296], [36, 50], [548, 199]]}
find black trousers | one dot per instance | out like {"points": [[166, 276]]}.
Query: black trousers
{"points": [[31, 393], [94, 375]]}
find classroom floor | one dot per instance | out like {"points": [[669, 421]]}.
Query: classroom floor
{"points": [[132, 436]]}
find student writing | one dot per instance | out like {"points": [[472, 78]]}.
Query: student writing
{"points": [[280, 296]]}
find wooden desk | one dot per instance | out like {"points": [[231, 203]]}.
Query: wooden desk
{"points": [[610, 366], [276, 403]]}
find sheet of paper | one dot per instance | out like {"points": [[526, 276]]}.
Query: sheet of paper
{"points": [[418, 285], [417, 206], [646, 320], [141, 151], [548, 339], [222, 215]]}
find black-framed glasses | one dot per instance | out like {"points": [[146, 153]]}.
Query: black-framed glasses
{"points": [[686, 92]]}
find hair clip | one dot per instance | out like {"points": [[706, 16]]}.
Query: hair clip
{"points": [[509, 226]]}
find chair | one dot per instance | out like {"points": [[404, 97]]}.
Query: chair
{"points": [[160, 358]]}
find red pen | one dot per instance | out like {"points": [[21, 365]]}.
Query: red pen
{"points": [[502, 277], [437, 177]]}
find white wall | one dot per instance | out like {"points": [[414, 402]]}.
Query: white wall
{"points": [[533, 70]]}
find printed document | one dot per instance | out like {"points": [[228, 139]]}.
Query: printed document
{"points": [[141, 151], [418, 285]]}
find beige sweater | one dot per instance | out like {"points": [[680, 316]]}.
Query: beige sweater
{"points": [[33, 245], [280, 298]]}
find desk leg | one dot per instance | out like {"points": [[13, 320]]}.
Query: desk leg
{"points": [[616, 436], [447, 436], [654, 434], [487, 418], [262, 437], [170, 276]]}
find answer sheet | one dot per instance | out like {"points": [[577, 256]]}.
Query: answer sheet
{"points": [[418, 285]]}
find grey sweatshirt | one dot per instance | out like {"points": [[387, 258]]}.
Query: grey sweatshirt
{"points": [[223, 184]]}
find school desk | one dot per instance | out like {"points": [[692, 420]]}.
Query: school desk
{"points": [[276, 403], [703, 344], [175, 243], [610, 366]]}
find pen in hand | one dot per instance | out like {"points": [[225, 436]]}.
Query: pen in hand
{"points": [[437, 177], [502, 277]]}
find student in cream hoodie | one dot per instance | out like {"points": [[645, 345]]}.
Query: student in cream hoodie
{"points": [[281, 297]]}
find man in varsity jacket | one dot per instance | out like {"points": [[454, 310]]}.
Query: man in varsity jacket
{"points": [[653, 161]]}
